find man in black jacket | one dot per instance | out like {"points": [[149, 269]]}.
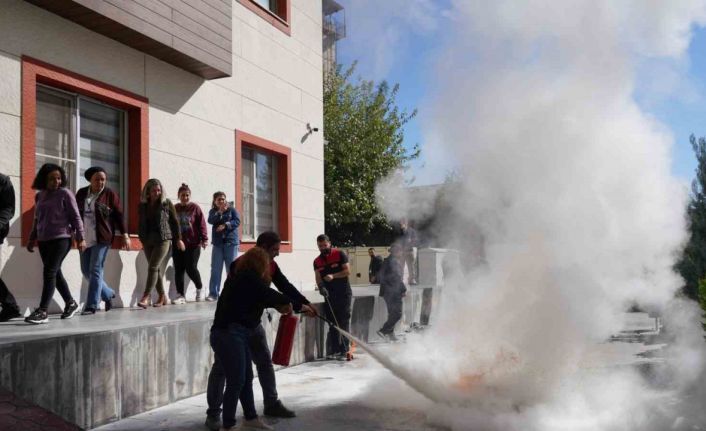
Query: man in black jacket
{"points": [[10, 309], [260, 352], [392, 290], [374, 267]]}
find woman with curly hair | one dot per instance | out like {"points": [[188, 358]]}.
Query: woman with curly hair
{"points": [[159, 228], [56, 221]]}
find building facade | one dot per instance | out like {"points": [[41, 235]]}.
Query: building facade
{"points": [[222, 95]]}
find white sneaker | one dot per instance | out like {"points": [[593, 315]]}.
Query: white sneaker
{"points": [[210, 298], [180, 300], [254, 424], [199, 295]]}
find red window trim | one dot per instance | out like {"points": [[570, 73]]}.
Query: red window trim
{"points": [[284, 184], [281, 23], [38, 72]]}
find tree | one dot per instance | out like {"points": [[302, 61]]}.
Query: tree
{"points": [[692, 265], [363, 129]]}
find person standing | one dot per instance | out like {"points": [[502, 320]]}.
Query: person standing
{"points": [[194, 233], [56, 221], [246, 293], [10, 309], [270, 242], [408, 240], [392, 290], [225, 220], [374, 266], [331, 269], [101, 212], [159, 228]]}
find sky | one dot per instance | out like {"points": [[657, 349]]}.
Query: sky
{"points": [[398, 44]]}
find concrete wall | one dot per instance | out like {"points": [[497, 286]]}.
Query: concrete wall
{"points": [[95, 378], [276, 88]]}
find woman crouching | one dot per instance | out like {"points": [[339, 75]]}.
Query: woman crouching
{"points": [[246, 293]]}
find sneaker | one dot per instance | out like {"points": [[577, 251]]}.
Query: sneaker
{"points": [[109, 303], [210, 298], [213, 423], [382, 335], [37, 317], [199, 295], [87, 311], [276, 410], [179, 300], [8, 313], [253, 424], [69, 310], [340, 356]]}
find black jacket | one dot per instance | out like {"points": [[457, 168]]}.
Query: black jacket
{"points": [[391, 278], [374, 269], [7, 205], [244, 297], [281, 283]]}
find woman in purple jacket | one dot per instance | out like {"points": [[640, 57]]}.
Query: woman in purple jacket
{"points": [[102, 213], [195, 236], [56, 220]]}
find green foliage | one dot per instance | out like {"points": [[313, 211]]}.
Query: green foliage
{"points": [[702, 299], [363, 129], [692, 265]]}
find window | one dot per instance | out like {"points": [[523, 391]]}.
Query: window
{"points": [[276, 12], [100, 140], [259, 180], [263, 189], [76, 121]]}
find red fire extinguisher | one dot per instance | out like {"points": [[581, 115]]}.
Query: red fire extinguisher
{"points": [[284, 342]]}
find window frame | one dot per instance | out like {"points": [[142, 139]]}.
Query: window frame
{"points": [[76, 99], [283, 192], [282, 23], [36, 72]]}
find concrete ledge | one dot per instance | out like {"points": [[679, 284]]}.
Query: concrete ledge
{"points": [[98, 369]]}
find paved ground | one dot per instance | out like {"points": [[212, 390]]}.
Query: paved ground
{"points": [[326, 395], [353, 396]]}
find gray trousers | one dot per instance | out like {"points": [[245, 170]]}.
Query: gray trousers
{"points": [[394, 312], [260, 354]]}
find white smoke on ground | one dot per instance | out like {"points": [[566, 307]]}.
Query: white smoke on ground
{"points": [[567, 181]]}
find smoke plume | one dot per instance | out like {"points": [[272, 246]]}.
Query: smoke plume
{"points": [[565, 214]]}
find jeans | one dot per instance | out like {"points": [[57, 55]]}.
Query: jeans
{"points": [[186, 262], [53, 253], [410, 260], [338, 309], [221, 257], [157, 258], [262, 358], [231, 350], [394, 312], [6, 298], [92, 263]]}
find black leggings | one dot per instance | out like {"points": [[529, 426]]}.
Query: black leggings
{"points": [[186, 261], [53, 253]]}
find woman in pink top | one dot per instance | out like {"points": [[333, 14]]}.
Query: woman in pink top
{"points": [[56, 221]]}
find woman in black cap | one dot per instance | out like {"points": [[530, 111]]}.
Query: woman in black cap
{"points": [[101, 212]]}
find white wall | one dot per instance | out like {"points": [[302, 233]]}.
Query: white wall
{"points": [[276, 88]]}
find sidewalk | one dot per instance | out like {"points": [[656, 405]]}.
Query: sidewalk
{"points": [[324, 394]]}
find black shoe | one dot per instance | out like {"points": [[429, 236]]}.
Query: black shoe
{"points": [[8, 313], [213, 423], [70, 309], [87, 311], [278, 410], [37, 317], [109, 303]]}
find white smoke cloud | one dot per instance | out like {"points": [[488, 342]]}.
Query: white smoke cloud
{"points": [[567, 179]]}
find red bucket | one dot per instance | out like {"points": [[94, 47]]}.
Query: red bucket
{"points": [[284, 342]]}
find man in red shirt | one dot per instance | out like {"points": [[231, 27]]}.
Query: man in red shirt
{"points": [[332, 269]]}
